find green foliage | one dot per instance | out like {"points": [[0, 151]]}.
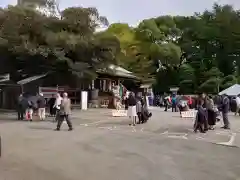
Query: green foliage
{"points": [[34, 43], [228, 81], [196, 53], [210, 86]]}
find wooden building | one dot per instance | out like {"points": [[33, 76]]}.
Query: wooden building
{"points": [[103, 86]]}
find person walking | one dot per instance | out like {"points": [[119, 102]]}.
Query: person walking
{"points": [[204, 98], [20, 107], [64, 113], [211, 114], [167, 101], [57, 105], [174, 103], [190, 102], [139, 107], [29, 110], [237, 105], [200, 118], [41, 102], [132, 111], [225, 110], [51, 103]]}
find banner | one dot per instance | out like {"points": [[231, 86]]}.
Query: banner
{"points": [[188, 114], [119, 113], [84, 100]]}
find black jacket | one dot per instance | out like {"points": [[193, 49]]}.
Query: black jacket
{"points": [[41, 102], [132, 101]]}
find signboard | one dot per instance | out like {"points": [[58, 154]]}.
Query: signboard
{"points": [[119, 113], [174, 89], [48, 91], [188, 114]]}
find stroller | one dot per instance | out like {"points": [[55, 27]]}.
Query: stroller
{"points": [[145, 115]]}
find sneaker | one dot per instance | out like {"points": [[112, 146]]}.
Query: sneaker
{"points": [[225, 127], [56, 129], [70, 129]]}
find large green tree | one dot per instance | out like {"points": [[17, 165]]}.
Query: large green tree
{"points": [[196, 53], [35, 43]]}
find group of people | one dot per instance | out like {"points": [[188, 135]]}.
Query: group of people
{"points": [[178, 102], [208, 111], [28, 104], [60, 107], [136, 107]]}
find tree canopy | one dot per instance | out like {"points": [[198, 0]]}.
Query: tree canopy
{"points": [[36, 43], [196, 53]]}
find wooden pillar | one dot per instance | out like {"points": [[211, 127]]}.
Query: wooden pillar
{"points": [[93, 84], [104, 85]]}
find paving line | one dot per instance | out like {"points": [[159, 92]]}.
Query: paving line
{"points": [[93, 123], [230, 142]]}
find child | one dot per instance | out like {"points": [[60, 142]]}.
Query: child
{"points": [[200, 118]]}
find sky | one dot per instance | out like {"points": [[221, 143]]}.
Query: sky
{"points": [[133, 11]]}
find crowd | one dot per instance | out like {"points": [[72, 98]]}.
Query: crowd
{"points": [[60, 108], [208, 109]]}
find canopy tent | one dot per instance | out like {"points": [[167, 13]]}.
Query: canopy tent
{"points": [[234, 90]]}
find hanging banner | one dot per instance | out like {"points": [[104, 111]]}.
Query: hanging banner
{"points": [[84, 100]]}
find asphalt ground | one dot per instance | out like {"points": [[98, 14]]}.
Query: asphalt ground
{"points": [[102, 147]]}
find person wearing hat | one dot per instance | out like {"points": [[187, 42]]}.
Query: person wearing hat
{"points": [[41, 107]]}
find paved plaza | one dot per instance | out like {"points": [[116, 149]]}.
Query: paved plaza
{"points": [[105, 148]]}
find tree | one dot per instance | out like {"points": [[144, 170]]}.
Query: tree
{"points": [[37, 43]]}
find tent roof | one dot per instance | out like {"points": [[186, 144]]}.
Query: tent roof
{"points": [[234, 90]]}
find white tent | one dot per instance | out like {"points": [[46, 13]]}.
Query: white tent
{"points": [[234, 90]]}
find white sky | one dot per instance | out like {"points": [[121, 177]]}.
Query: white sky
{"points": [[133, 11]]}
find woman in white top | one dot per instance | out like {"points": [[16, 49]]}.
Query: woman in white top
{"points": [[57, 105], [132, 111]]}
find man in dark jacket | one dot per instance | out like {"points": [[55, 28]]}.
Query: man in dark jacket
{"points": [[41, 107], [225, 109], [20, 107]]}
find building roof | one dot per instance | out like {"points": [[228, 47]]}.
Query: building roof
{"points": [[144, 86], [30, 79], [234, 90], [115, 70], [4, 78], [119, 69]]}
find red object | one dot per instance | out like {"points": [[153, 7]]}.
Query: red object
{"points": [[28, 116], [170, 99], [190, 100]]}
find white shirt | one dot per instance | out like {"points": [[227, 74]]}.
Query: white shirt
{"points": [[58, 102], [238, 101]]}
